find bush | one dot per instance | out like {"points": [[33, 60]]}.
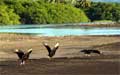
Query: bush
{"points": [[7, 16], [104, 11], [40, 12]]}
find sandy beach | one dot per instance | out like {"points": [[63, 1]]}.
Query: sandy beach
{"points": [[68, 59]]}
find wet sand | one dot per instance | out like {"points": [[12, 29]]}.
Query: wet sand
{"points": [[68, 59], [62, 66]]}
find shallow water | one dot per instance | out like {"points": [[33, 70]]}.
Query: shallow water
{"points": [[59, 30]]}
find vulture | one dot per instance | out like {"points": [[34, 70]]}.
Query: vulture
{"points": [[89, 51], [51, 51], [22, 55]]}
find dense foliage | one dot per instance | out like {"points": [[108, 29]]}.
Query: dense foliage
{"points": [[103, 11], [7, 16], [39, 12], [56, 11]]}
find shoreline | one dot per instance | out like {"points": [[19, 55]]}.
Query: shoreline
{"points": [[89, 24]]}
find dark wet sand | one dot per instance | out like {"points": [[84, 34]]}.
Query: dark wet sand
{"points": [[62, 66], [68, 59]]}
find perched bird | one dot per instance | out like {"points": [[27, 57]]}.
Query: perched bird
{"points": [[23, 56], [89, 51], [51, 52]]}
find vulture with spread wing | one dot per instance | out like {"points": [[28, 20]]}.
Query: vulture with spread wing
{"points": [[89, 51], [51, 51], [23, 56]]}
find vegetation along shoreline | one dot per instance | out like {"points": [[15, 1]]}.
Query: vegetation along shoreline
{"points": [[17, 12]]}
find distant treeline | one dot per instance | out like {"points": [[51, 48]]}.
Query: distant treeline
{"points": [[103, 11], [41, 12]]}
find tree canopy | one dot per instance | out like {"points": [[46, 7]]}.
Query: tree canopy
{"points": [[40, 12], [7, 16], [104, 11], [56, 11]]}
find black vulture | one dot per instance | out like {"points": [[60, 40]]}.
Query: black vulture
{"points": [[51, 52], [23, 56], [89, 51]]}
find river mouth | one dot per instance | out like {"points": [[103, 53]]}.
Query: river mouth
{"points": [[59, 30]]}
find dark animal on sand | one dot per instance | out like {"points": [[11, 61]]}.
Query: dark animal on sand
{"points": [[51, 51], [23, 57], [89, 51]]}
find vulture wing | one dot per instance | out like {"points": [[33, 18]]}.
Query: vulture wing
{"points": [[47, 46], [26, 55], [20, 53], [55, 47]]}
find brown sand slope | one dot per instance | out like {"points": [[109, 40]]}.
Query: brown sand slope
{"points": [[69, 45]]}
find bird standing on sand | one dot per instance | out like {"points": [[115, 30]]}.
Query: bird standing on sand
{"points": [[23, 56], [89, 51], [51, 51]]}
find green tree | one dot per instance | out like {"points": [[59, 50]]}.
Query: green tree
{"points": [[7, 16], [83, 3], [103, 11], [55, 13], [43, 11], [62, 1]]}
